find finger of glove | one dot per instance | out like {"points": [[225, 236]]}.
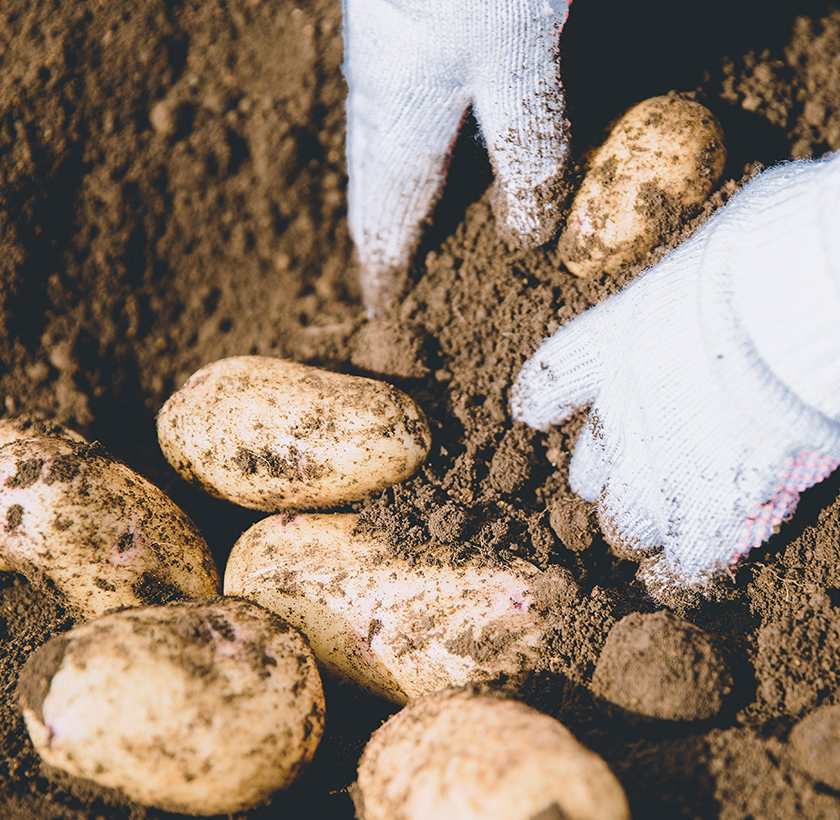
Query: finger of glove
{"points": [[397, 165], [405, 102], [520, 106], [597, 474], [565, 373]]}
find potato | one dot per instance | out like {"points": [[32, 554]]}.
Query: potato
{"points": [[398, 630], [660, 666], [454, 754], [78, 522], [198, 708], [814, 746], [271, 434], [654, 171]]}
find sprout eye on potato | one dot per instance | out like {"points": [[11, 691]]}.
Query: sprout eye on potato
{"points": [[655, 169], [454, 754], [399, 630], [80, 523], [271, 434], [199, 707]]}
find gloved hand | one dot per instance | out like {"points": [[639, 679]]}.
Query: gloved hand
{"points": [[413, 67], [714, 381]]}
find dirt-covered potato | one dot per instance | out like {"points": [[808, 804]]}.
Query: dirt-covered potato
{"points": [[397, 629], [655, 170], [479, 757], [198, 707], [815, 746], [78, 522], [272, 434], [660, 666]]}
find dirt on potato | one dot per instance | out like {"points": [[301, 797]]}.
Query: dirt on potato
{"points": [[172, 191]]}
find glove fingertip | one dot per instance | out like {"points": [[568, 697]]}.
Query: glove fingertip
{"points": [[535, 399]]}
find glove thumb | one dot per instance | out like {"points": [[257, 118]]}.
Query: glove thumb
{"points": [[564, 375]]}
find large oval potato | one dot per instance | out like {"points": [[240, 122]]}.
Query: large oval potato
{"points": [[399, 630], [655, 169], [272, 434], [198, 707], [80, 523], [454, 754]]}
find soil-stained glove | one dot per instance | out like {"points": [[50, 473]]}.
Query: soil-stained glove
{"points": [[413, 67], [713, 380]]}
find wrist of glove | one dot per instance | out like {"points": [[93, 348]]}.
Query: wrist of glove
{"points": [[713, 400]]}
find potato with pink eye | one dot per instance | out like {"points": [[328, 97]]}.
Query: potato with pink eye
{"points": [[201, 707], [655, 170], [396, 628], [271, 434], [81, 524], [456, 754]]}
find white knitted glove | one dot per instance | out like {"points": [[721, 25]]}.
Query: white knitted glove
{"points": [[413, 67], [714, 381]]}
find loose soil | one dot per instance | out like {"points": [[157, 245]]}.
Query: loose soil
{"points": [[172, 191]]}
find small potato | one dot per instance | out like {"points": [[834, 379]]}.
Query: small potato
{"points": [[198, 708], [271, 434], [814, 746], [396, 629], [660, 666], [80, 523], [454, 754], [655, 170]]}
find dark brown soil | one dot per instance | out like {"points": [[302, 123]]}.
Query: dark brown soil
{"points": [[172, 191]]}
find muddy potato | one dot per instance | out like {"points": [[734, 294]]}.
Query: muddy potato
{"points": [[198, 707], [78, 522], [478, 757], [399, 630], [660, 666], [272, 434], [655, 170], [815, 745]]}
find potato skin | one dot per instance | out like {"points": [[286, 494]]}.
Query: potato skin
{"points": [[479, 757], [655, 169], [82, 524], [395, 629], [29, 426], [203, 707], [271, 434]]}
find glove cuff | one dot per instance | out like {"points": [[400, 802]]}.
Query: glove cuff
{"points": [[787, 289], [807, 438]]}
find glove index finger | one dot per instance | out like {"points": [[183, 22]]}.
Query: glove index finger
{"points": [[563, 376]]}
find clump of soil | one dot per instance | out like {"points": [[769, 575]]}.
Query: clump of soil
{"points": [[173, 191]]}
